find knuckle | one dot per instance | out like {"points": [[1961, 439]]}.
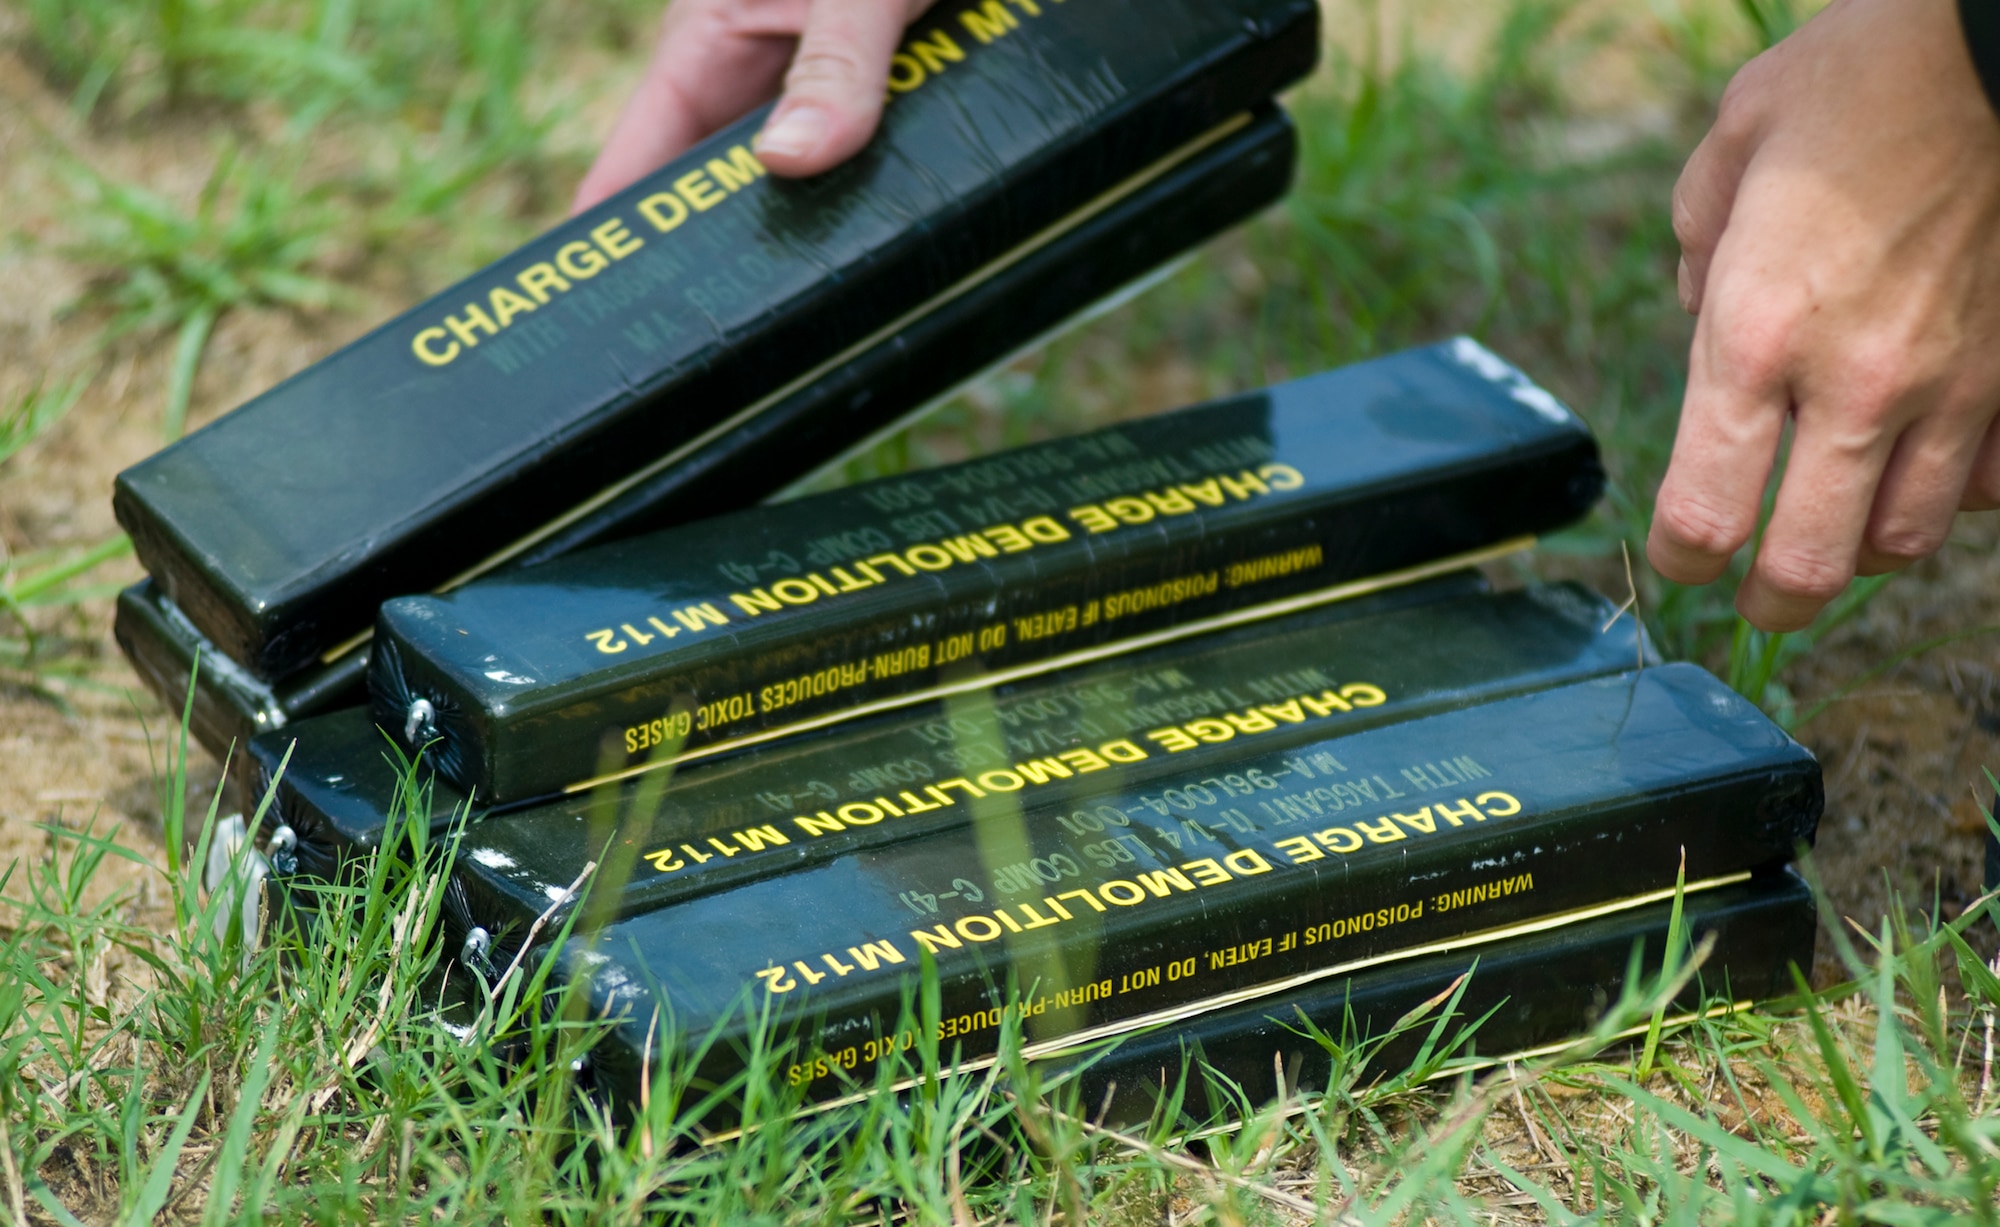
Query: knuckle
{"points": [[825, 65], [1695, 526], [1742, 99], [1805, 576], [1753, 348], [1881, 375], [1907, 543]]}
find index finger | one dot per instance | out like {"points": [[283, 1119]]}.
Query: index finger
{"points": [[1731, 422]]}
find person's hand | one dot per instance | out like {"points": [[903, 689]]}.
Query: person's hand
{"points": [[717, 59], [1840, 231]]}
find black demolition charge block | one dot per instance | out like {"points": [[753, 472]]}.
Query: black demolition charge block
{"points": [[580, 371], [1338, 668], [1107, 248], [1519, 993], [1101, 914], [1304, 680], [693, 641]]}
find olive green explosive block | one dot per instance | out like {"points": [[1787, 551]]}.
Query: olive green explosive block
{"points": [[714, 636], [564, 377], [1103, 256], [1104, 915]]}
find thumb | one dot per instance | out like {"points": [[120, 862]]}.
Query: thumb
{"points": [[833, 93]]}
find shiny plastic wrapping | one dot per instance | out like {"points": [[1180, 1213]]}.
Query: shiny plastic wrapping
{"points": [[1068, 738], [230, 706], [495, 414], [1425, 648], [1531, 991], [627, 657], [1092, 262], [1109, 913]]}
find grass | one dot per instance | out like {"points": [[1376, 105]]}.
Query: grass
{"points": [[448, 85], [33, 412], [35, 584], [248, 242], [171, 1072], [176, 1070]]}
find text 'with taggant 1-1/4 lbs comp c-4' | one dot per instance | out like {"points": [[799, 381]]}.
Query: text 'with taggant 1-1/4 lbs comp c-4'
{"points": [[337, 789]]}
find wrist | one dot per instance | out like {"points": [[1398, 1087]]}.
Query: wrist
{"points": [[1981, 22]]}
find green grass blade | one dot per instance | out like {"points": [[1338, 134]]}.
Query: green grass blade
{"points": [[235, 1153], [166, 1162], [1839, 1072], [188, 349], [34, 413], [33, 588], [1671, 958], [57, 1211]]}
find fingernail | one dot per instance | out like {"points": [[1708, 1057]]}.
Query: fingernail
{"points": [[793, 133], [1685, 280]]}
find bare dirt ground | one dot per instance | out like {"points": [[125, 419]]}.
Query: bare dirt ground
{"points": [[85, 751], [88, 751], [1904, 753]]}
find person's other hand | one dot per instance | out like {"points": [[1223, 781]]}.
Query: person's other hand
{"points": [[717, 59], [1840, 231]]}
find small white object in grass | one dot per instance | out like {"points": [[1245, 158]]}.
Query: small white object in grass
{"points": [[230, 833], [234, 877], [478, 945]]}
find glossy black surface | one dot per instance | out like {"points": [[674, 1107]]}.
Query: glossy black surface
{"points": [[1541, 989], [530, 682], [1105, 728], [1197, 199], [1197, 891], [230, 706], [446, 436], [1097, 259], [342, 774]]}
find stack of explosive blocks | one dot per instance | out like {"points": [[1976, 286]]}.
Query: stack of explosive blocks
{"points": [[1162, 736]]}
